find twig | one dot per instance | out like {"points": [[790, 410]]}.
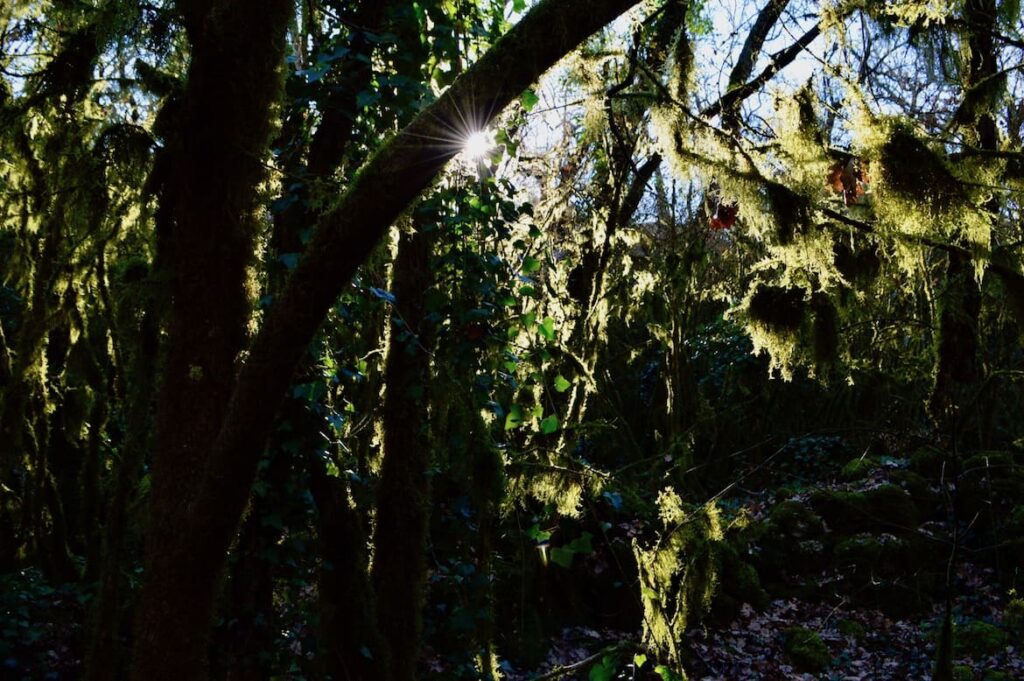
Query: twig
{"points": [[559, 672]]}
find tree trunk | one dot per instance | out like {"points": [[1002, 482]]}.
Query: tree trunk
{"points": [[403, 510], [216, 166]]}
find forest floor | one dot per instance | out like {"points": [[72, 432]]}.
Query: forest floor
{"points": [[862, 643], [825, 596]]}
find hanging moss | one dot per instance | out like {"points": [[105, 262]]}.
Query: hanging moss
{"points": [[780, 309], [981, 99], [914, 172], [791, 211], [859, 264], [670, 22], [70, 71], [678, 574], [826, 331], [124, 144], [809, 126], [682, 65]]}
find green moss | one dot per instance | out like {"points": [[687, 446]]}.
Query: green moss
{"points": [[917, 487], [739, 583], [806, 650], [886, 508], [978, 639], [678, 573], [796, 520], [875, 555], [851, 628], [859, 266], [862, 550], [789, 209], [858, 469], [962, 672], [912, 170], [928, 461], [993, 675]]}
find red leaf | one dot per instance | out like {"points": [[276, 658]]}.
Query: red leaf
{"points": [[725, 216]]}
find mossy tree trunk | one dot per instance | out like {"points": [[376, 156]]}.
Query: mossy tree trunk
{"points": [[957, 369], [215, 167], [350, 644], [136, 341], [403, 509]]}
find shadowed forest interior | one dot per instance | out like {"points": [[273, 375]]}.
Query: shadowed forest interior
{"points": [[511, 339]]}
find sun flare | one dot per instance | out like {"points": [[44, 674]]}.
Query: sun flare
{"points": [[478, 145]]}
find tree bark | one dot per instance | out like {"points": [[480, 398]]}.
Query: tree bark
{"points": [[957, 366], [403, 510], [216, 166]]}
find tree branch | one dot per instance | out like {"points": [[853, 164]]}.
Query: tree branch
{"points": [[381, 191], [779, 61]]}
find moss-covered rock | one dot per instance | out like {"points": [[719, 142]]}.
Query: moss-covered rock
{"points": [[883, 554], [796, 520], [928, 461], [806, 650], [851, 628], [887, 508], [928, 501], [962, 672], [738, 583], [857, 469], [993, 675], [977, 639]]}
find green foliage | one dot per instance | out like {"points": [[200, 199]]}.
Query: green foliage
{"points": [[35, 619], [977, 639], [605, 669], [806, 650]]}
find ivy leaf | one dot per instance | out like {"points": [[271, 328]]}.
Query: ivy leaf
{"points": [[538, 535], [666, 674], [639, 660], [529, 99], [530, 264], [547, 328], [514, 418], [581, 544], [560, 555], [603, 670], [561, 384], [549, 425]]}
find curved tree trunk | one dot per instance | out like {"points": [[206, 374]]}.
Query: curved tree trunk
{"points": [[203, 472]]}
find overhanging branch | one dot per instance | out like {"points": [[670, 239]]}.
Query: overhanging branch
{"points": [[402, 168]]}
